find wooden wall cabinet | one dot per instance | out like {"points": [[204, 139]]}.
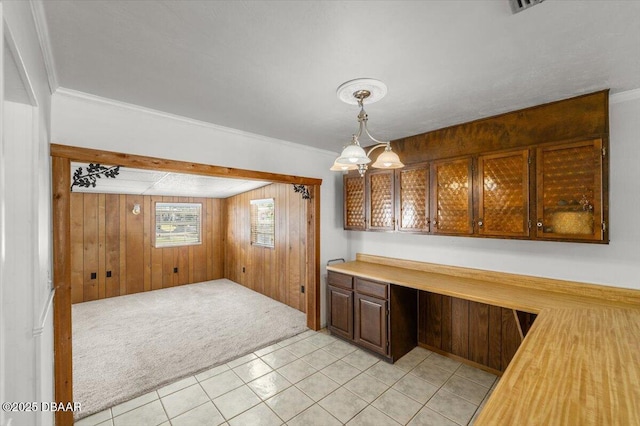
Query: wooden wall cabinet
{"points": [[379, 317], [380, 200], [354, 203], [452, 196], [412, 207], [570, 192], [503, 194]]}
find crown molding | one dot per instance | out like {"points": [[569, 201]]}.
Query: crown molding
{"points": [[37, 10], [75, 94], [628, 95]]}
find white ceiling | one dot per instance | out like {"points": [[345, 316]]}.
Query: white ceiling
{"points": [[272, 67], [149, 182]]}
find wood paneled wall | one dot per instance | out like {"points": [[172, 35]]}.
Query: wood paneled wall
{"points": [[277, 272], [485, 334], [107, 237]]}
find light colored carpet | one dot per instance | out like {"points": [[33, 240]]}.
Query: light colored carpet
{"points": [[129, 345]]}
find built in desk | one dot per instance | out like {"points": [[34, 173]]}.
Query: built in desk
{"points": [[579, 364]]}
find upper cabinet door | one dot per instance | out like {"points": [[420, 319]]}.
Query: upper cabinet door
{"points": [[412, 187], [354, 211], [503, 194], [380, 212], [452, 205], [569, 191]]}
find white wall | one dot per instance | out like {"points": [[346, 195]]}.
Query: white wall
{"points": [[615, 264], [91, 122], [26, 328]]}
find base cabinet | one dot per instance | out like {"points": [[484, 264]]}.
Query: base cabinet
{"points": [[379, 317]]}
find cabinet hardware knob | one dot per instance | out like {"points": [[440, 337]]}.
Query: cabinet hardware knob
{"points": [[480, 223], [539, 224]]}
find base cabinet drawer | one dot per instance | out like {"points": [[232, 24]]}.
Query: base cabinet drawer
{"points": [[371, 323], [340, 318]]}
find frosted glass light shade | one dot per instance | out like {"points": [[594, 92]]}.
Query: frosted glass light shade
{"points": [[353, 154], [388, 160], [342, 167]]}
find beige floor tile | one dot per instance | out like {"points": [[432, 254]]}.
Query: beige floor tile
{"points": [[399, 407], [319, 359], [360, 359], [95, 419], [476, 375], [366, 387], [279, 358], [343, 404], [204, 415], [415, 388], [110, 423], [339, 348], [252, 370], [464, 388], [221, 384], [302, 348], [411, 359], [267, 350], [269, 385], [306, 334], [289, 341], [134, 403], [296, 371], [314, 416], [235, 402], [443, 362], [184, 400], [321, 340], [452, 407], [176, 386], [242, 360], [386, 373], [260, 415], [432, 374], [289, 403], [340, 372], [317, 386], [371, 416], [150, 414], [207, 374], [428, 417]]}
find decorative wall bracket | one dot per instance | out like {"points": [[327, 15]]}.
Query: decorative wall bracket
{"points": [[303, 190], [94, 171]]}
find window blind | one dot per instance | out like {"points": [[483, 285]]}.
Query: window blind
{"points": [[178, 224], [263, 222]]}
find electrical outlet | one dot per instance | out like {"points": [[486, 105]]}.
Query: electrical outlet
{"points": [[243, 269], [175, 270], [94, 275]]}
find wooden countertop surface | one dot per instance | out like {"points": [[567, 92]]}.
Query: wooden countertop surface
{"points": [[578, 365]]}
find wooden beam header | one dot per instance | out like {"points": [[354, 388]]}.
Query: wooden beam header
{"points": [[153, 163]]}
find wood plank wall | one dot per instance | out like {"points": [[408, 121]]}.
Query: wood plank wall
{"points": [[106, 236], [485, 334], [277, 272]]}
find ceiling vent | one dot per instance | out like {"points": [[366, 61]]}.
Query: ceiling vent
{"points": [[520, 5]]}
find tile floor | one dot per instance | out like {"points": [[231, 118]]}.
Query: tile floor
{"points": [[314, 379]]}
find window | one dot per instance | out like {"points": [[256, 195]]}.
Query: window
{"points": [[263, 222], [178, 224]]}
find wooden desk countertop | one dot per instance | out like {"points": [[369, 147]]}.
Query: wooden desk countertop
{"points": [[578, 365]]}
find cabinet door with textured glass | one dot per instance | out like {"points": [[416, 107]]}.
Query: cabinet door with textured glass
{"points": [[452, 206], [503, 191], [412, 187], [380, 189], [354, 210], [569, 191]]}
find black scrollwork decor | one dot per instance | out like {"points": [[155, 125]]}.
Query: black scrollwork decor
{"points": [[93, 173], [302, 189]]}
